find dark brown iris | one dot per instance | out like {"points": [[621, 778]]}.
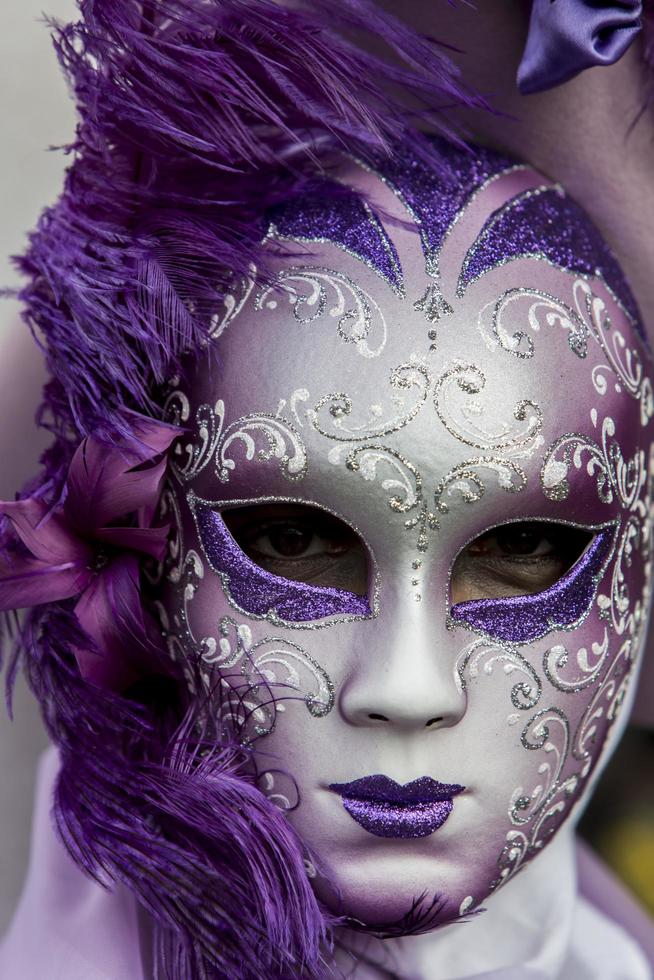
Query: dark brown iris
{"points": [[516, 559], [301, 543], [289, 541]]}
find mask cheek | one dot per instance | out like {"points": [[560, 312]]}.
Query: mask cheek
{"points": [[562, 678], [548, 733]]}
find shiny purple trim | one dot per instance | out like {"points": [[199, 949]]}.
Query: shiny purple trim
{"points": [[567, 36], [259, 592], [337, 215], [547, 225], [384, 808], [523, 618]]}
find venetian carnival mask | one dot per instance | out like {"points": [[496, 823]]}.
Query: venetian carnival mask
{"points": [[412, 548]]}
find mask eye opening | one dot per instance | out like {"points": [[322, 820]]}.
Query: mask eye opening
{"points": [[302, 543], [523, 618], [254, 589], [517, 558]]}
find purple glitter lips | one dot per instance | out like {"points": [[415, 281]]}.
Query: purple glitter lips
{"points": [[384, 808]]}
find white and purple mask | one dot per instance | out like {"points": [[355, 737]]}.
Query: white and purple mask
{"points": [[442, 358]]}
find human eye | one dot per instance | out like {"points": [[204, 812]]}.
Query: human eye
{"points": [[301, 543], [518, 558]]}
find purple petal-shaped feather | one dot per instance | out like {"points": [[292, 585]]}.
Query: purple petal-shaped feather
{"points": [[24, 582], [111, 614], [106, 484], [45, 533]]}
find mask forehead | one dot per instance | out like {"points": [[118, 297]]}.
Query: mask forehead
{"points": [[364, 390]]}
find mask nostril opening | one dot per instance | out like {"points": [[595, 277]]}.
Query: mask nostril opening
{"points": [[433, 721], [375, 717]]}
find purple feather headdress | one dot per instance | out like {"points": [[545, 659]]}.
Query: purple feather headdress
{"points": [[195, 118]]}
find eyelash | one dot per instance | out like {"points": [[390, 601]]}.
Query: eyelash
{"points": [[250, 532]]}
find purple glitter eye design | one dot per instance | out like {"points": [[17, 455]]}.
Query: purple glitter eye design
{"points": [[339, 216], [523, 618], [260, 593]]}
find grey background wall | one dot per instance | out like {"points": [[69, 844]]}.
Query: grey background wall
{"points": [[35, 113]]}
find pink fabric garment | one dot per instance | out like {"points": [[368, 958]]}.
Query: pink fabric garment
{"points": [[67, 927]]}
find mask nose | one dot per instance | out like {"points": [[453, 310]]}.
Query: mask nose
{"points": [[404, 675]]}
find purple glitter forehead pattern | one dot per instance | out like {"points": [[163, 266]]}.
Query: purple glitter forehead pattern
{"points": [[434, 198], [524, 618], [542, 222], [259, 592], [546, 223], [337, 215]]}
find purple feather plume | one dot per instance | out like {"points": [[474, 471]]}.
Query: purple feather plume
{"points": [[195, 117]]}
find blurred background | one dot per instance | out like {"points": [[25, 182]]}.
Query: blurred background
{"points": [[619, 821], [36, 113]]}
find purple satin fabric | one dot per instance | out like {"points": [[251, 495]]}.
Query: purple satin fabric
{"points": [[567, 36], [600, 887]]}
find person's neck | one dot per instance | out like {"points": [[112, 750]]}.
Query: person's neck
{"points": [[525, 925]]}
